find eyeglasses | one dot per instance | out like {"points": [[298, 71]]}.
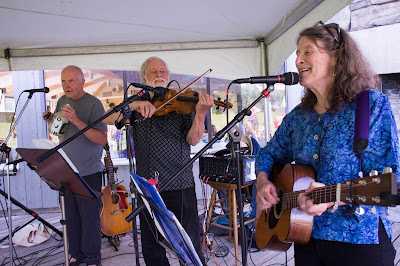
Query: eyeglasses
{"points": [[331, 25]]}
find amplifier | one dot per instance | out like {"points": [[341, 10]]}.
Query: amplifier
{"points": [[221, 169]]}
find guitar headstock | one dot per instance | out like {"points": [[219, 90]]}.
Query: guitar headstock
{"points": [[109, 166], [107, 147], [367, 190], [107, 159]]}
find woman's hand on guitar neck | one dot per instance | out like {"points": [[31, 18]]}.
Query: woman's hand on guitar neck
{"points": [[307, 204], [266, 192]]}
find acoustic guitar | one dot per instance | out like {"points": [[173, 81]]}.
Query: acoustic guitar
{"points": [[115, 203], [285, 223]]}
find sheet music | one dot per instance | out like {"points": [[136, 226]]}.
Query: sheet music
{"points": [[173, 232], [48, 144]]}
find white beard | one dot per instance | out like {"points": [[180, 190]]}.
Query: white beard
{"points": [[158, 82]]}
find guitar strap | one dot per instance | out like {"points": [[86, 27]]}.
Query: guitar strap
{"points": [[361, 126], [361, 135]]}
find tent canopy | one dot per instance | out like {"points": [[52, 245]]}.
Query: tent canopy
{"points": [[192, 36]]}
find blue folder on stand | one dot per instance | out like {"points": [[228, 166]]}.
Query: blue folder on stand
{"points": [[166, 222]]}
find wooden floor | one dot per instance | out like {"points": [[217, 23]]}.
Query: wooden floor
{"points": [[51, 252]]}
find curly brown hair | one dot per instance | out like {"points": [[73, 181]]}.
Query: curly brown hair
{"points": [[353, 73]]}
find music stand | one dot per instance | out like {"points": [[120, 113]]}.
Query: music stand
{"points": [[177, 240], [58, 173]]}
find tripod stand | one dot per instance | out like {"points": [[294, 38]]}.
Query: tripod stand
{"points": [[30, 212], [6, 150]]}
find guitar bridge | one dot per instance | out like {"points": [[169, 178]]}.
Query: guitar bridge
{"points": [[117, 212]]}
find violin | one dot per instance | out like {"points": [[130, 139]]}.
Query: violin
{"points": [[170, 97], [184, 103]]}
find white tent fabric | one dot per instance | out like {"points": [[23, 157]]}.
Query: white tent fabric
{"points": [[36, 25], [225, 63]]}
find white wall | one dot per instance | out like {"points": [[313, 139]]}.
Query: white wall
{"points": [[380, 46]]}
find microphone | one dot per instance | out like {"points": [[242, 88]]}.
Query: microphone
{"points": [[289, 78], [158, 91], [126, 112], [143, 86], [45, 90]]}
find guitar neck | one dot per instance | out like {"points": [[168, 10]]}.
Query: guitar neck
{"points": [[320, 195], [110, 169], [365, 191]]}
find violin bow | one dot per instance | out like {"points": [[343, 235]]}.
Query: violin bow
{"points": [[179, 92]]}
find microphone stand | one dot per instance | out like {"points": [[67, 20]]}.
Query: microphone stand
{"points": [[236, 135], [7, 150], [218, 136], [127, 116]]}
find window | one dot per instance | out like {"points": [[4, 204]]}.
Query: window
{"points": [[7, 108], [109, 87]]}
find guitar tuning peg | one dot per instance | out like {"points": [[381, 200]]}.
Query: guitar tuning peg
{"points": [[387, 170], [373, 210], [373, 172], [376, 199], [362, 182], [360, 210], [219, 98], [362, 198], [217, 108]]}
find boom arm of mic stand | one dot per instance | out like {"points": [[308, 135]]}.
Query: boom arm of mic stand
{"points": [[134, 213], [114, 110], [219, 135]]}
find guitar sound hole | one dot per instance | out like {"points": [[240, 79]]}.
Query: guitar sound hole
{"points": [[278, 207], [115, 198], [275, 212]]}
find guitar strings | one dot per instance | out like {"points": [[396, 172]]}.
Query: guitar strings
{"points": [[289, 200]]}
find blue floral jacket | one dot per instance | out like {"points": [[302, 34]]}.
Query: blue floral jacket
{"points": [[325, 143]]}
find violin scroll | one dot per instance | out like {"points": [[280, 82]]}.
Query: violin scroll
{"points": [[220, 103]]}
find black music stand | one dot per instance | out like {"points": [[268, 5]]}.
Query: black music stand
{"points": [[56, 171]]}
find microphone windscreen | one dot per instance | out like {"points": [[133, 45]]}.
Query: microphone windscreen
{"points": [[291, 78], [296, 78]]}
